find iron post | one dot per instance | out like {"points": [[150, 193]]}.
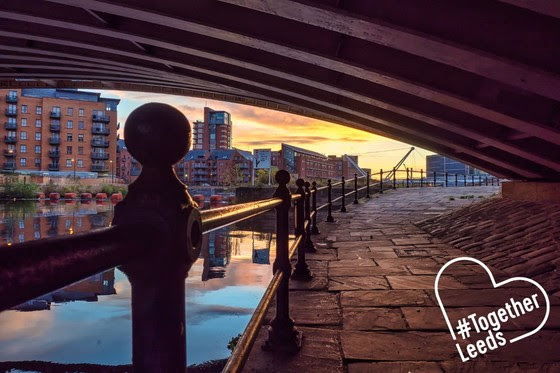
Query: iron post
{"points": [[314, 227], [301, 271], [343, 206], [380, 182], [355, 189], [367, 185], [330, 218]]}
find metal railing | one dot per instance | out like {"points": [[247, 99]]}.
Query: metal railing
{"points": [[158, 226], [414, 178]]}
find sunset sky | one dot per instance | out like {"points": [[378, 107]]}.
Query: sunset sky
{"points": [[255, 128]]}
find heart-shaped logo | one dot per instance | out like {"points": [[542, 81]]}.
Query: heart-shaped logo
{"points": [[496, 285]]}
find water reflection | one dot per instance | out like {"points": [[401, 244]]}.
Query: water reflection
{"points": [[89, 321]]}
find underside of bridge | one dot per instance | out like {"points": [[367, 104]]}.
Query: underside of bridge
{"points": [[475, 80]]}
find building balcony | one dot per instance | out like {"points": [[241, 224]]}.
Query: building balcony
{"points": [[10, 139], [55, 114], [99, 168], [99, 131], [99, 155], [9, 153], [55, 127], [11, 112], [9, 166], [54, 167], [101, 118], [54, 141], [54, 153], [10, 126], [11, 99], [99, 143]]}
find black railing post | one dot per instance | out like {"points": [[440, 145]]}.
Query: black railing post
{"points": [[355, 189], [301, 271], [464, 180], [282, 333], [394, 178], [486, 180], [498, 181], [421, 177], [330, 218], [472, 180], [479, 180], [309, 247], [157, 135], [492, 180], [314, 227], [435, 179], [367, 185], [407, 177], [380, 181], [446, 179], [456, 181], [343, 206]]}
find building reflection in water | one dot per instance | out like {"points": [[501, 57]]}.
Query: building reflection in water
{"points": [[223, 288]]}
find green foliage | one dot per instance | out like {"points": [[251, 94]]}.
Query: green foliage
{"points": [[110, 189], [20, 190], [469, 196], [233, 342]]}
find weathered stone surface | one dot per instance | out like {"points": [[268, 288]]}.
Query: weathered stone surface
{"points": [[368, 318], [357, 283], [396, 367], [384, 298], [367, 271], [350, 263], [387, 346], [411, 241], [423, 282]]}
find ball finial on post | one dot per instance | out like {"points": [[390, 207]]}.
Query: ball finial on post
{"points": [[157, 134], [282, 177], [300, 183]]}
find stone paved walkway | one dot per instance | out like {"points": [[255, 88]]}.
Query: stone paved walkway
{"points": [[371, 306]]}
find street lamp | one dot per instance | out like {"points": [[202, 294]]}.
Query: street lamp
{"points": [[112, 175], [74, 164]]}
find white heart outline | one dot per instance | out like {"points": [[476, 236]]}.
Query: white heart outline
{"points": [[496, 285]]}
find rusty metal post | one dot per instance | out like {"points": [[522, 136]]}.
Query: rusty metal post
{"points": [[343, 206], [301, 272], [367, 185], [309, 247], [282, 333], [330, 218], [421, 177], [435, 179], [446, 179], [158, 136], [380, 181], [355, 189], [314, 227]]}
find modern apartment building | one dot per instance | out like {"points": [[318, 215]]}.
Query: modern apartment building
{"points": [[217, 167], [440, 164], [214, 133], [128, 168], [58, 132]]}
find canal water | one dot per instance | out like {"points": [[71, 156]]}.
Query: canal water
{"points": [[90, 321]]}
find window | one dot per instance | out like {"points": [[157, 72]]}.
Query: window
{"points": [[23, 148], [68, 137], [38, 123], [68, 150], [67, 224], [23, 135], [24, 122], [38, 136], [23, 162], [37, 149], [80, 112], [12, 108], [24, 109], [37, 234], [37, 162], [70, 124], [38, 110], [80, 150], [70, 111], [68, 163], [80, 163], [21, 224], [80, 137], [81, 125], [21, 237], [12, 121]]}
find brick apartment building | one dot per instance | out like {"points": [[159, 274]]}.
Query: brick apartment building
{"points": [[58, 132], [128, 168], [214, 133], [310, 165], [216, 167]]}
